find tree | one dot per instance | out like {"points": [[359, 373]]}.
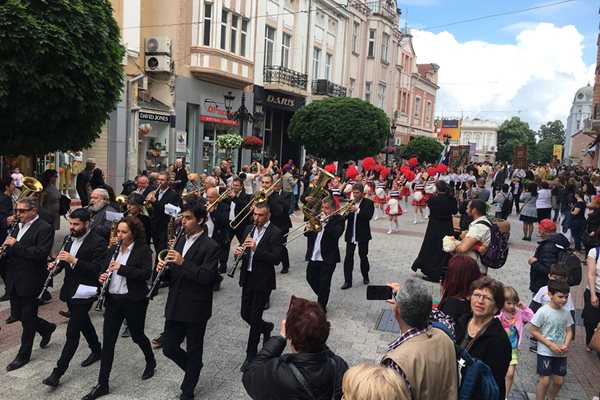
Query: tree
{"points": [[424, 148], [341, 128], [514, 133], [60, 75], [549, 134]]}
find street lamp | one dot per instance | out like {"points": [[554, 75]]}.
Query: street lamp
{"points": [[390, 136], [242, 115]]}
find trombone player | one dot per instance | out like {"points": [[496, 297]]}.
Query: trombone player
{"points": [[279, 204], [323, 252]]}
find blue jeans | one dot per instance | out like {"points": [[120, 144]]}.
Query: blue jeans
{"points": [[577, 226]]}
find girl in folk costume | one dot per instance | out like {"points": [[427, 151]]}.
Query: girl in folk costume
{"points": [[380, 192], [419, 201], [404, 182], [351, 174], [335, 191], [430, 187], [463, 177], [393, 209], [368, 166]]}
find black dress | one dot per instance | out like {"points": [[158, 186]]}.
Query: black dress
{"points": [[432, 260]]}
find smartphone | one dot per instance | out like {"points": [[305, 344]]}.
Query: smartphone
{"points": [[376, 292]]}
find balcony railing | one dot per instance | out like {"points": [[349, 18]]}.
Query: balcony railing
{"points": [[285, 76], [323, 87], [385, 8]]}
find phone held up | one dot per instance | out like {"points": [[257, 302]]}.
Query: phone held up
{"points": [[377, 292]]}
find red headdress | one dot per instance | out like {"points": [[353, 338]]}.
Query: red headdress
{"points": [[368, 163], [431, 171], [384, 173], [331, 168], [441, 168], [351, 172], [413, 162]]}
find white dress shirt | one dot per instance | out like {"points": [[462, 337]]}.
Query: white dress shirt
{"points": [[354, 225], [189, 242], [257, 237], [118, 283], [316, 254], [25, 227], [210, 226], [75, 245], [160, 194]]}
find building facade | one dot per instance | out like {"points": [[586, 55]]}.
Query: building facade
{"points": [[579, 116], [484, 134]]}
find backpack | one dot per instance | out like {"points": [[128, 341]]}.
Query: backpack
{"points": [[475, 378], [497, 252], [573, 265], [506, 206], [64, 205]]}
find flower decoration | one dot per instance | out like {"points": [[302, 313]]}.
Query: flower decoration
{"points": [[252, 143], [388, 149], [229, 141]]}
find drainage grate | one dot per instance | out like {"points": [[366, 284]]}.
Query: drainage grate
{"points": [[386, 322]]}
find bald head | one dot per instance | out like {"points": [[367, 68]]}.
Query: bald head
{"points": [[211, 194]]}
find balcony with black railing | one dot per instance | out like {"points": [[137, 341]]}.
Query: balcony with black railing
{"points": [[274, 74], [324, 87]]}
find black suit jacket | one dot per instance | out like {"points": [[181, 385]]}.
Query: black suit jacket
{"points": [[330, 251], [220, 218], [6, 210], [191, 284], [89, 265], [241, 201], [137, 270], [26, 268], [268, 254], [279, 203], [83, 179], [100, 224], [159, 219], [363, 230], [180, 175]]}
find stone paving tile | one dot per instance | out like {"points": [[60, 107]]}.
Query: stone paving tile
{"points": [[353, 334]]}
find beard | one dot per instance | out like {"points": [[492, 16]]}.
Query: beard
{"points": [[78, 234], [97, 207]]}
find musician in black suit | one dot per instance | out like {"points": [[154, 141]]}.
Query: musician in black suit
{"points": [[82, 182], [217, 225], [181, 177], [239, 199], [279, 204], [7, 188], [99, 205], [358, 232], [125, 299], [143, 185], [257, 275], [159, 220], [189, 304], [81, 259], [323, 252], [26, 272]]}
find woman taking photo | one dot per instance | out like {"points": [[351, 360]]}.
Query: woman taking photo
{"points": [[130, 266], [529, 210], [481, 334]]}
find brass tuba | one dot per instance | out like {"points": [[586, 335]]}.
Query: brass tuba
{"points": [[318, 192], [30, 185]]}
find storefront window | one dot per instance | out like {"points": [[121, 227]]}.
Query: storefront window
{"points": [[155, 145], [211, 154]]}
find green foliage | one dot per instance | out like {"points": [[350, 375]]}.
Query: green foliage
{"points": [[514, 133], [549, 134], [60, 75], [424, 148], [340, 128]]}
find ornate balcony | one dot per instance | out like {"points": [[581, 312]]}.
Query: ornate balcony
{"points": [[323, 87], [386, 9], [221, 67], [284, 79]]}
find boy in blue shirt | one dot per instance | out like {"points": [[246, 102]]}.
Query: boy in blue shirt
{"points": [[551, 326]]}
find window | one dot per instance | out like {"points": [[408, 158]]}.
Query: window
{"points": [[316, 61], [351, 87], [380, 95], [224, 15], [428, 111], [371, 50], [417, 106], [234, 32], [269, 45], [368, 91], [207, 24], [286, 43], [355, 30], [244, 37], [328, 58], [385, 44]]}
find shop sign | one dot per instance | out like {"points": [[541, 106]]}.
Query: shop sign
{"points": [[282, 102], [213, 112], [147, 116]]}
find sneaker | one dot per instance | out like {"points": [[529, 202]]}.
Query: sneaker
{"points": [[375, 218], [414, 222], [533, 349], [389, 232]]}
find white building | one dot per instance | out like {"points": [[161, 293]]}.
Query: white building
{"points": [[485, 136], [581, 110]]}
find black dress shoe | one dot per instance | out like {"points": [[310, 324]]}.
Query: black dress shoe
{"points": [[53, 380], [92, 358], [285, 270], [366, 281], [186, 397], [246, 364], [10, 319], [430, 279], [17, 363], [65, 314], [346, 285], [126, 332], [163, 284], [46, 337], [267, 305], [98, 391], [267, 332], [149, 370], [5, 297]]}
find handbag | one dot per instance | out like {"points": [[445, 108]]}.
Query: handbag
{"points": [[595, 342]]}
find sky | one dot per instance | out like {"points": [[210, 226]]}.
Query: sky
{"points": [[526, 63]]}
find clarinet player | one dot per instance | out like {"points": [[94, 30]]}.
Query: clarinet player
{"points": [[81, 259], [125, 299]]}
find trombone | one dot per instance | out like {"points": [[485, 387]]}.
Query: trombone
{"points": [[187, 196], [147, 203], [223, 196], [259, 197]]}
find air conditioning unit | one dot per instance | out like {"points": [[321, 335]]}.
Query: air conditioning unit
{"points": [[158, 63], [158, 45]]}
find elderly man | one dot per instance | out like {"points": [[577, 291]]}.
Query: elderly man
{"points": [[423, 356], [480, 232], [143, 185], [99, 205], [82, 184], [181, 177], [482, 192], [546, 254]]}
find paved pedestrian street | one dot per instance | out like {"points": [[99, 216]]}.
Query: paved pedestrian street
{"points": [[353, 335]]}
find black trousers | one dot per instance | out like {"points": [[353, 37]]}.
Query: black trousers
{"points": [[318, 276], [253, 306], [79, 323], [285, 257], [190, 361], [160, 241], [117, 310], [591, 315], [25, 309], [363, 253]]}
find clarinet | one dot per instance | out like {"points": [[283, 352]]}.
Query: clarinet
{"points": [[54, 270], [104, 289], [12, 231], [238, 260], [159, 274]]}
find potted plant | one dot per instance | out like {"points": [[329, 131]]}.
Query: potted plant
{"points": [[228, 142], [252, 143], [388, 149]]}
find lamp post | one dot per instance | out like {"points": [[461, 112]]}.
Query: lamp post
{"points": [[391, 135], [242, 115]]}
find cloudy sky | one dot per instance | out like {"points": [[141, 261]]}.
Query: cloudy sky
{"points": [[527, 63]]}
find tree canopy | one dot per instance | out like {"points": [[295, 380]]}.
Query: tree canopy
{"points": [[60, 75], [514, 133], [340, 128], [549, 134], [424, 148]]}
